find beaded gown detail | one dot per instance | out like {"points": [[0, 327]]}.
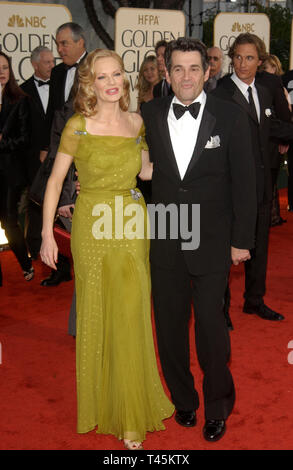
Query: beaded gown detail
{"points": [[118, 385]]}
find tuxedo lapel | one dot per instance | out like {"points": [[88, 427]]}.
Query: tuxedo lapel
{"points": [[36, 97], [165, 133], [240, 99], [205, 131]]}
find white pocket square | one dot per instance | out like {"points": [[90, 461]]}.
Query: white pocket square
{"points": [[213, 142]]}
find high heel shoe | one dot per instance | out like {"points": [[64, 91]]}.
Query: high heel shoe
{"points": [[29, 275], [132, 445]]}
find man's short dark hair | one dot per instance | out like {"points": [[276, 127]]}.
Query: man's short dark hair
{"points": [[159, 44], [249, 38], [76, 31], [186, 45]]}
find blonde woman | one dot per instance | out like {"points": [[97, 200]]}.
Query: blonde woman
{"points": [[148, 77], [118, 385], [273, 65]]}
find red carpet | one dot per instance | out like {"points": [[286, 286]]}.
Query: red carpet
{"points": [[37, 390]]}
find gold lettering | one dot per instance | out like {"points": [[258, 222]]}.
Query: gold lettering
{"points": [[148, 19], [28, 21]]}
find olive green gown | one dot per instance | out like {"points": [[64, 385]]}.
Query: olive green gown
{"points": [[118, 385]]}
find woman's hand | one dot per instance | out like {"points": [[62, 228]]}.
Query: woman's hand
{"points": [[49, 251]]}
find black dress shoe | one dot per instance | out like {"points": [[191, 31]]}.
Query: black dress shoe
{"points": [[263, 312], [185, 418], [55, 278], [214, 429]]}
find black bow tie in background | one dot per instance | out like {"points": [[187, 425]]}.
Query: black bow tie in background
{"points": [[41, 83], [68, 67], [193, 108]]}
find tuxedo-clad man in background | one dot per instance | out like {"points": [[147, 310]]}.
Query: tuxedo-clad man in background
{"points": [[216, 57], [242, 88], [163, 88], [200, 157], [71, 46], [37, 88]]}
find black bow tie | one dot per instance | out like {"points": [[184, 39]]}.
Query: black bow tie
{"points": [[68, 67], [193, 108], [41, 83]]}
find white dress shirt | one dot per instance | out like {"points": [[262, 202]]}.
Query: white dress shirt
{"points": [[243, 87], [70, 79], [43, 92], [184, 132]]}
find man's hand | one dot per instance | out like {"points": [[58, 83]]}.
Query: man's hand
{"points": [[65, 210], [43, 155], [238, 255]]}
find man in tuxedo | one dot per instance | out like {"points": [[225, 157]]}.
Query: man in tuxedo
{"points": [[162, 88], [243, 89], [200, 158], [71, 45], [37, 88], [215, 56]]}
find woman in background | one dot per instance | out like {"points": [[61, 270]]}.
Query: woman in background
{"points": [[148, 77], [14, 138]]}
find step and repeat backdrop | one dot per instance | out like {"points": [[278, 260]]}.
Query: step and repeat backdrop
{"points": [[227, 26], [137, 31], [25, 26]]}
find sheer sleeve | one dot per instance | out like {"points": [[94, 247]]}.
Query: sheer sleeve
{"points": [[71, 135], [141, 137]]}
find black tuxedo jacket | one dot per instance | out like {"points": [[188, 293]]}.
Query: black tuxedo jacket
{"points": [[157, 91], [274, 84], [260, 132], [281, 109], [38, 127], [221, 179], [56, 96]]}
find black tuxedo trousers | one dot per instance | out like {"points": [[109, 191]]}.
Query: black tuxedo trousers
{"points": [[174, 290]]}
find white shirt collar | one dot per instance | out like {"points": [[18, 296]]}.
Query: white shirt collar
{"points": [[81, 57], [41, 79], [243, 87]]}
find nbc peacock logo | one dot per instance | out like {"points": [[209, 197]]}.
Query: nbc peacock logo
{"points": [[16, 21], [242, 28]]}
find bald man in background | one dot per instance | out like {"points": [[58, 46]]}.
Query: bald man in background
{"points": [[215, 57]]}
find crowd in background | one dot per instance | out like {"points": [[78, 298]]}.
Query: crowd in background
{"points": [[26, 121]]}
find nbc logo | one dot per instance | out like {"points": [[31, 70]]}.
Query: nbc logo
{"points": [[15, 20]]}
